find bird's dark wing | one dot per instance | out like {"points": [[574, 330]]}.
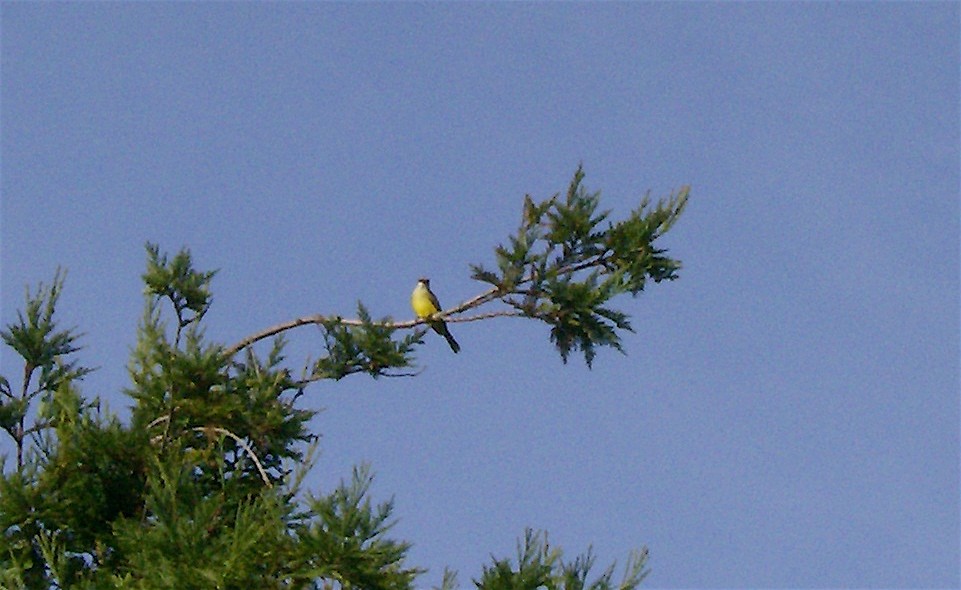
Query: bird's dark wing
{"points": [[433, 299]]}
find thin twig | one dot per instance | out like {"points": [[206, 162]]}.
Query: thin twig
{"points": [[239, 441], [158, 420], [282, 327], [504, 313], [320, 377]]}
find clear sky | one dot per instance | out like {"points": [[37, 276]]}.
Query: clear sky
{"points": [[787, 414]]}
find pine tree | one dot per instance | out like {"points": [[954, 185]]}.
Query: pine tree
{"points": [[202, 489]]}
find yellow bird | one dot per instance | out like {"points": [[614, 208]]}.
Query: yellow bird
{"points": [[425, 306]]}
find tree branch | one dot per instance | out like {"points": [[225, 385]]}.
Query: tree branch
{"points": [[239, 441], [283, 327], [318, 319], [473, 302]]}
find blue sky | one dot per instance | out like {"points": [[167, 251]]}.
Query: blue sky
{"points": [[787, 414]]}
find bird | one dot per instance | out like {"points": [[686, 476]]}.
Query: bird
{"points": [[425, 305]]}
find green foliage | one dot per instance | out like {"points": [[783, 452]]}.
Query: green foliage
{"points": [[202, 488], [187, 289], [563, 266], [87, 477], [44, 348], [345, 544], [541, 567], [197, 539], [365, 348]]}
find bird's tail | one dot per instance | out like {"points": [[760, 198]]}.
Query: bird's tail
{"points": [[450, 340], [441, 328]]}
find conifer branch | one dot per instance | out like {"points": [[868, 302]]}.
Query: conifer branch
{"points": [[239, 441]]}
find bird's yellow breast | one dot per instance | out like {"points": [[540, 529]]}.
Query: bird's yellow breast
{"points": [[420, 301]]}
